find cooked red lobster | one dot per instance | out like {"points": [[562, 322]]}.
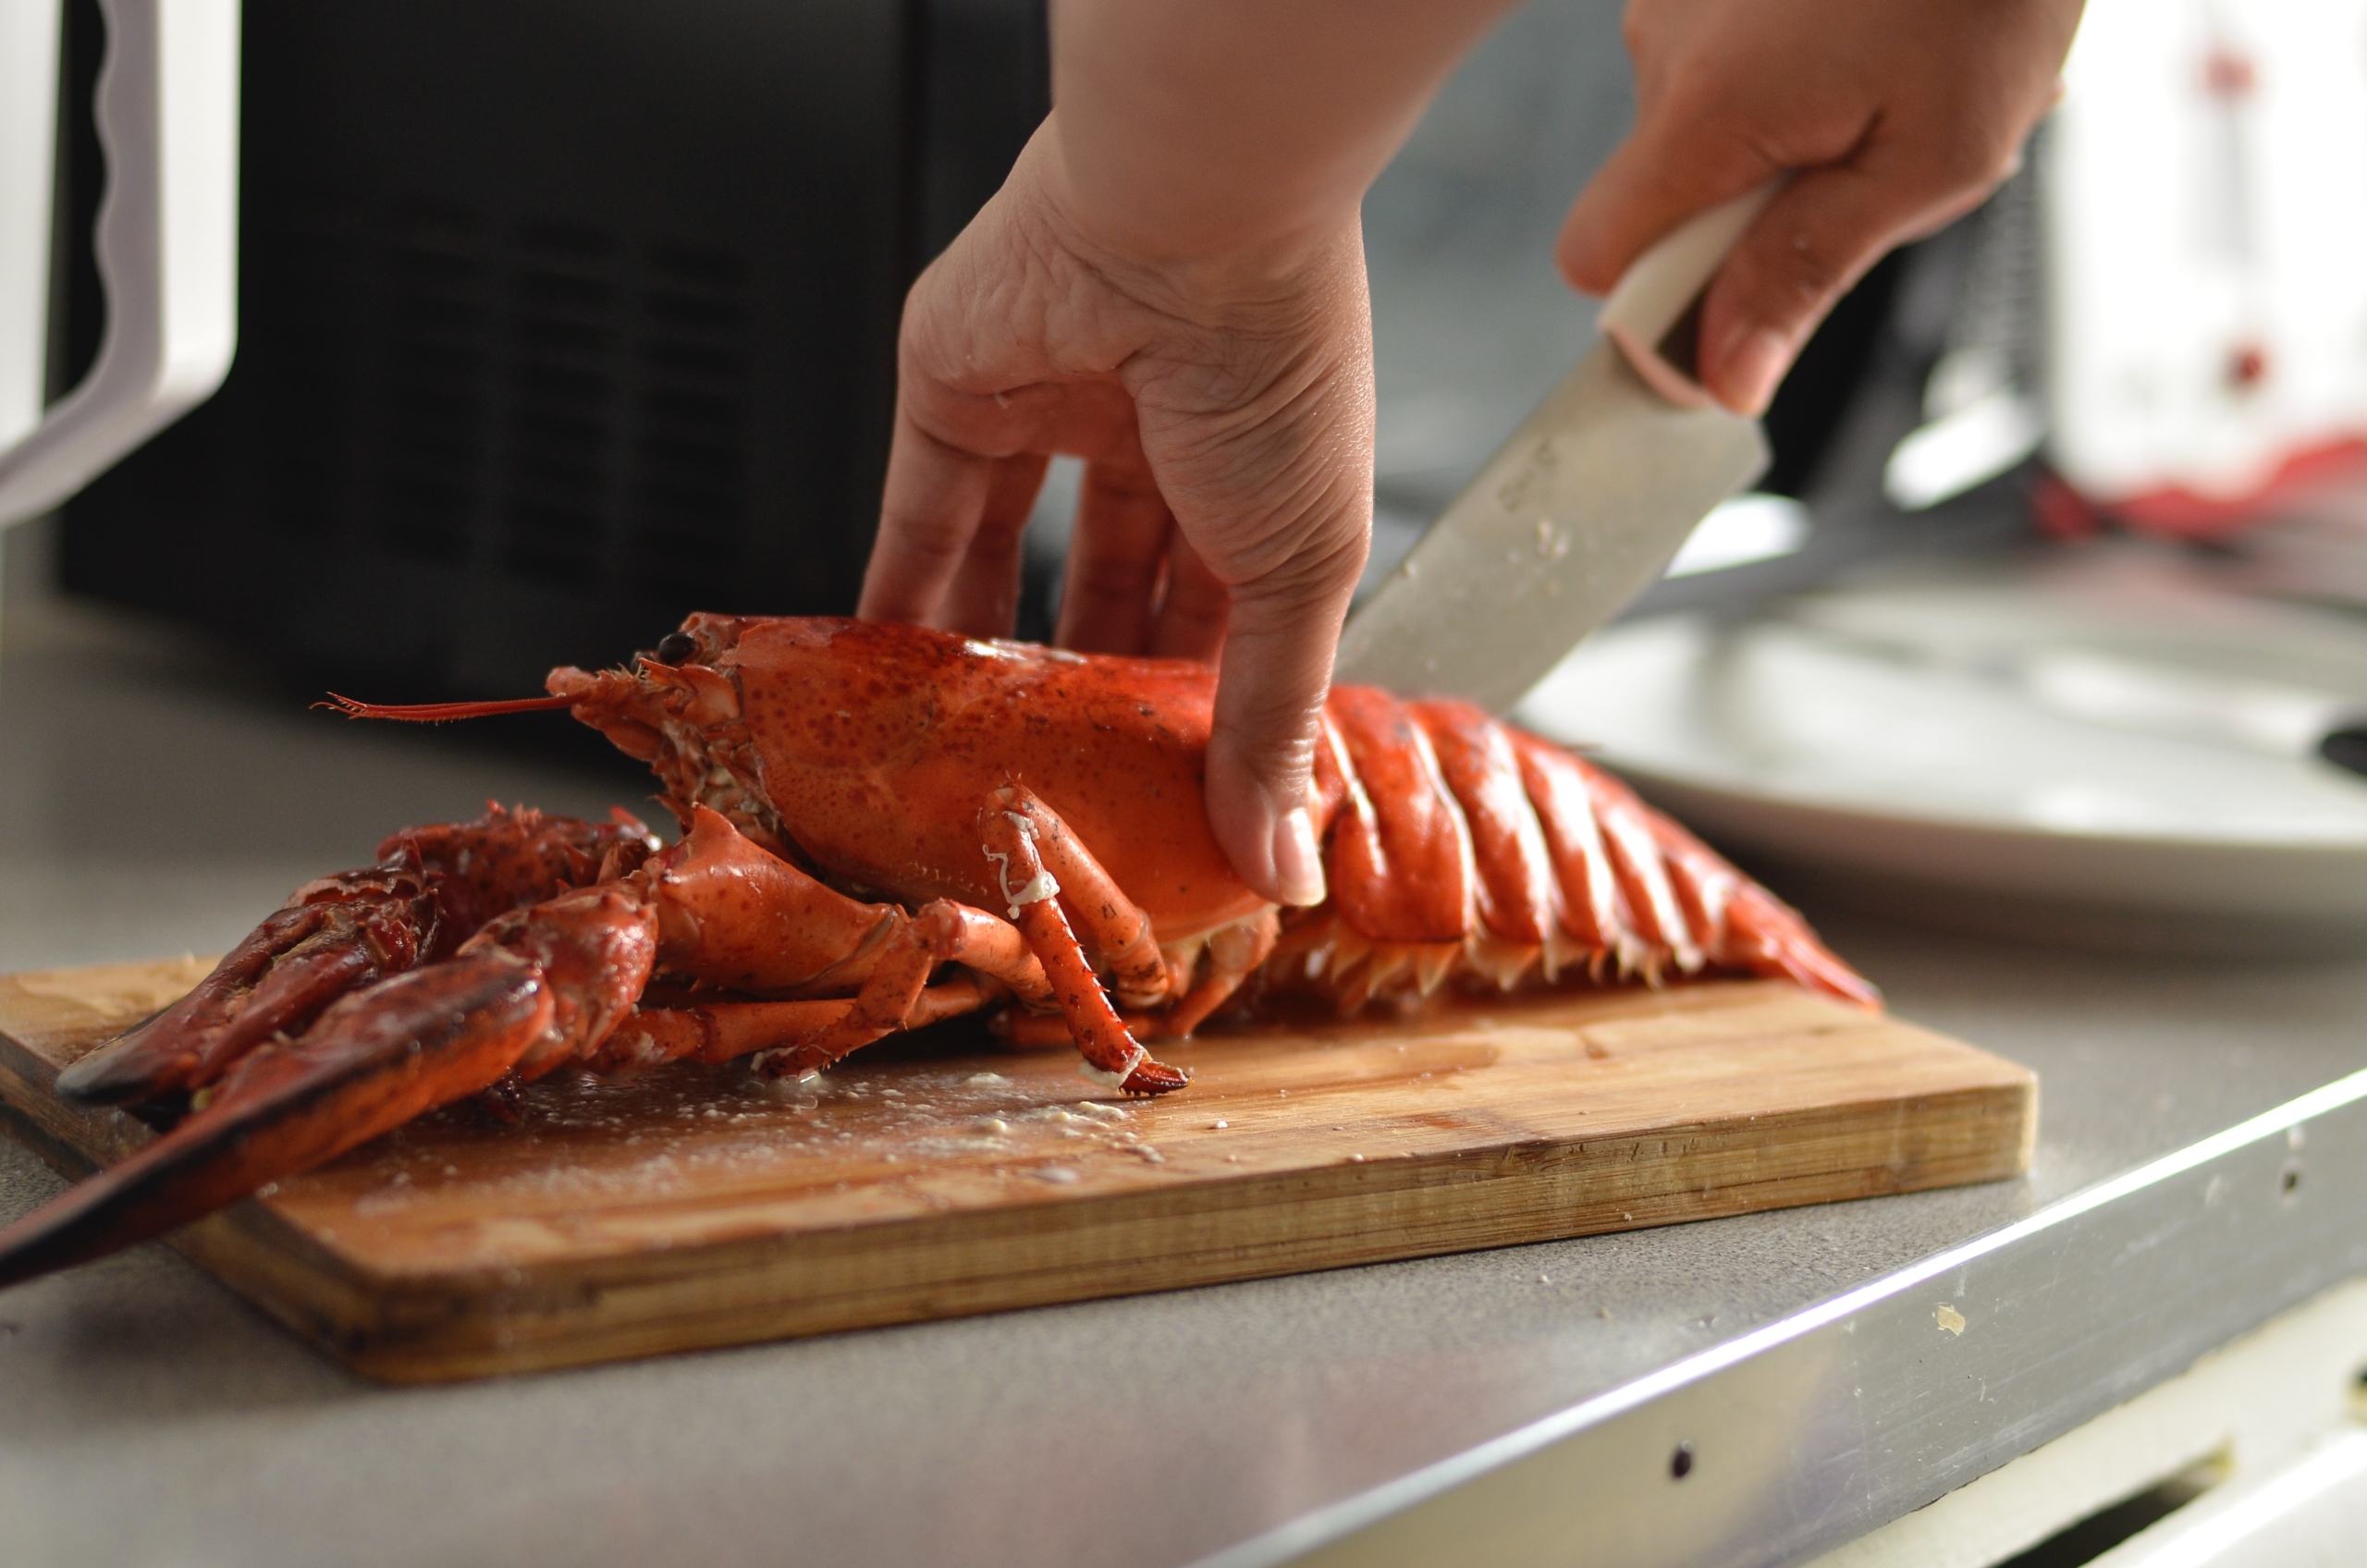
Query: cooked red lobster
{"points": [[883, 827]]}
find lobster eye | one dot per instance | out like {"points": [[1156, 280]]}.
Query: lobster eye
{"points": [[676, 647]]}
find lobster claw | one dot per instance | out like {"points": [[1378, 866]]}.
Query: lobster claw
{"points": [[335, 936], [432, 889], [373, 1061]]}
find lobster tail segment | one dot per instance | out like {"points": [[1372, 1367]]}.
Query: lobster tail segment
{"points": [[1767, 937], [1464, 850]]}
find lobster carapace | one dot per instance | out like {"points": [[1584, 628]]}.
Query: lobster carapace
{"points": [[883, 827]]}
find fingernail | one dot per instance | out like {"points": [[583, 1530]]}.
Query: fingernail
{"points": [[1752, 368], [1298, 867]]}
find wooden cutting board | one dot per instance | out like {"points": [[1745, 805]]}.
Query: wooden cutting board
{"points": [[693, 1207]]}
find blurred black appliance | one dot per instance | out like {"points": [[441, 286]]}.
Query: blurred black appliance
{"points": [[560, 318]]}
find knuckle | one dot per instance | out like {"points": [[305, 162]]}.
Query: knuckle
{"points": [[1643, 27], [1635, 28], [1273, 728], [1199, 600], [1124, 483], [1804, 268], [1308, 588], [1969, 162]]}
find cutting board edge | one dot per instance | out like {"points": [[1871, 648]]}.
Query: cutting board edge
{"points": [[258, 1253], [475, 1323], [439, 1326]]}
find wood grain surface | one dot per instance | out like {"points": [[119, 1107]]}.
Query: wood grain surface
{"points": [[693, 1207]]}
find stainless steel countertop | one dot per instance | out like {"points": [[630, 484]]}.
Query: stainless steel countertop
{"points": [[147, 1416]]}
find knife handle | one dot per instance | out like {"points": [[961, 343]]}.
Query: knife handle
{"points": [[1655, 312]]}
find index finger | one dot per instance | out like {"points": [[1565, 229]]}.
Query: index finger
{"points": [[1273, 675], [935, 497]]}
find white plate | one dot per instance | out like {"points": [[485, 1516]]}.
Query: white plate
{"points": [[1962, 796]]}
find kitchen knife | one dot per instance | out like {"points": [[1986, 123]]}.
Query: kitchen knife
{"points": [[1582, 508]]}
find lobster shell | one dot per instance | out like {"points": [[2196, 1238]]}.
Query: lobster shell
{"points": [[1456, 846]]}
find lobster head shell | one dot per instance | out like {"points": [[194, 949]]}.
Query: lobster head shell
{"points": [[864, 752]]}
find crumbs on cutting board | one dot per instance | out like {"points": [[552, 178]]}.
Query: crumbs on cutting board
{"points": [[673, 1130]]}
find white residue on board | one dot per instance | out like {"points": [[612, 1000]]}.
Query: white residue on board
{"points": [[674, 1129]]}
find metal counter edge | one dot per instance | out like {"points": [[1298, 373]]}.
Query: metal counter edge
{"points": [[1817, 1427]]}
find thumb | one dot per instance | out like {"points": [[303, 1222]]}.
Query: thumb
{"points": [[1276, 668], [1668, 169]]}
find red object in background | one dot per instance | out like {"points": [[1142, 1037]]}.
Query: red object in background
{"points": [[2247, 367], [2063, 513], [2228, 74]]}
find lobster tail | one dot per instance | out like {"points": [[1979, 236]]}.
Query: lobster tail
{"points": [[1766, 936], [1462, 847]]}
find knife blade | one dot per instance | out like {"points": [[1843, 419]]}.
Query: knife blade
{"points": [[1582, 509]]}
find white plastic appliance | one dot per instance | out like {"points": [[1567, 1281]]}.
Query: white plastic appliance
{"points": [[168, 117], [2206, 185]]}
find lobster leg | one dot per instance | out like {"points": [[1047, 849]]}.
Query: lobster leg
{"points": [[996, 948], [718, 1032], [1007, 824], [891, 996], [736, 915], [375, 1061], [1115, 927], [732, 915], [1235, 954]]}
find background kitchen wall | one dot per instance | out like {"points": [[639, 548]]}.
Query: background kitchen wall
{"points": [[1472, 323]]}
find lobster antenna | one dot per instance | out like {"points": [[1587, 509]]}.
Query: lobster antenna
{"points": [[437, 712]]}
